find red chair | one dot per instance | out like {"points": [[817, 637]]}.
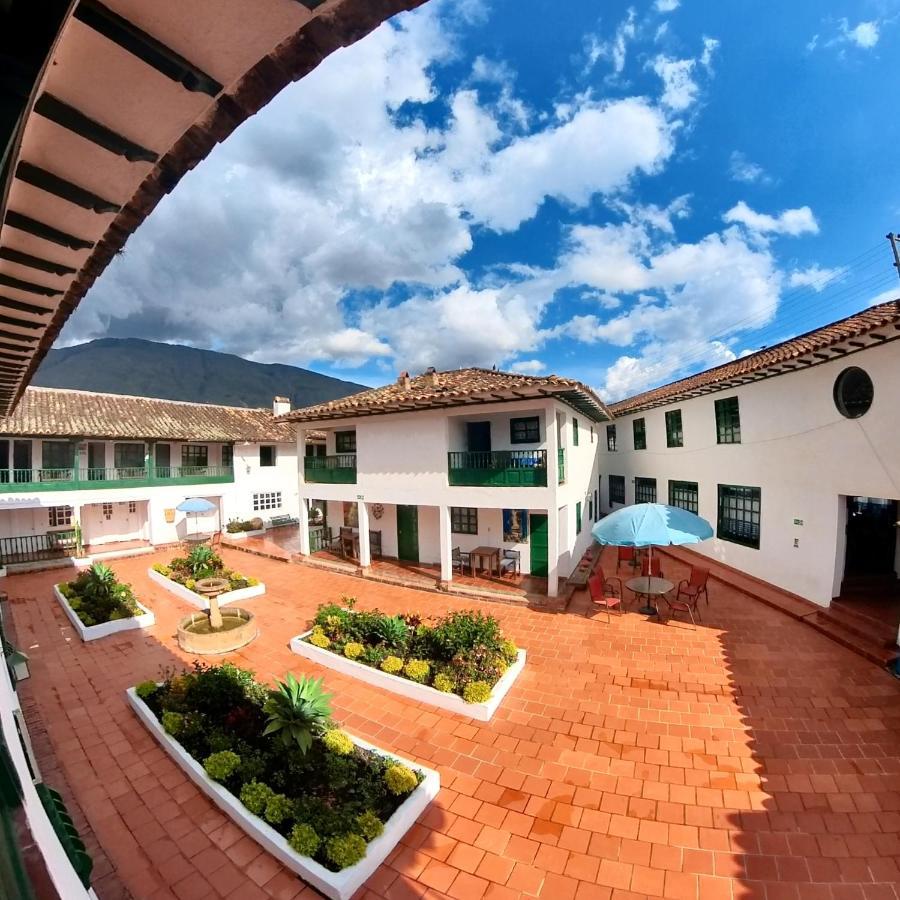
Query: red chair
{"points": [[650, 566], [625, 554], [688, 596], [605, 594]]}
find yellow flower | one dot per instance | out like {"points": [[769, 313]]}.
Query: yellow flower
{"points": [[338, 742]]}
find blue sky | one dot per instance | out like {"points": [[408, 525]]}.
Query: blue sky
{"points": [[624, 193]]}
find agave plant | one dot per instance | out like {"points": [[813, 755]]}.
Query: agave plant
{"points": [[202, 561], [392, 631], [296, 710], [99, 582]]}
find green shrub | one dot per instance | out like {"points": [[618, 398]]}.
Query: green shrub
{"points": [[460, 632], [443, 683], [509, 651], [477, 692], [304, 840], [345, 850], [417, 670], [400, 779], [392, 631], [338, 742], [255, 796], [65, 590], [353, 650], [392, 665], [369, 825], [146, 689], [172, 723], [296, 709], [221, 765], [162, 569], [279, 808]]}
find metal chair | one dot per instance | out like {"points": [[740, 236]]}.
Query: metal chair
{"points": [[511, 562], [375, 544], [694, 586], [650, 566], [461, 561], [625, 554], [347, 541], [604, 594]]}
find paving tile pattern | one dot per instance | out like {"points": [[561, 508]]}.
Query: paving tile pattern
{"points": [[749, 757]]}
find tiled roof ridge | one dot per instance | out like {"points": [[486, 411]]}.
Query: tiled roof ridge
{"points": [[868, 319], [261, 409]]}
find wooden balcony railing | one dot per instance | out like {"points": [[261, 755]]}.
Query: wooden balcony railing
{"points": [[498, 468], [338, 469]]}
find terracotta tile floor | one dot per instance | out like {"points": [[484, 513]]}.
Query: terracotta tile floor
{"points": [[751, 757]]}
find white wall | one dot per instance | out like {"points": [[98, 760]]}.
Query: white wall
{"points": [[251, 478], [797, 448]]}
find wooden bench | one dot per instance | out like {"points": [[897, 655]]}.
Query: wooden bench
{"points": [[280, 521]]}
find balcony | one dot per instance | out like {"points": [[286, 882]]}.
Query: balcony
{"points": [[498, 468], [339, 469], [16, 480]]}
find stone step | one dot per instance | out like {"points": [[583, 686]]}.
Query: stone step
{"points": [[860, 624], [873, 650]]}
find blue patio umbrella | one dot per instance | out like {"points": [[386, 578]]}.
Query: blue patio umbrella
{"points": [[649, 525], [195, 506]]}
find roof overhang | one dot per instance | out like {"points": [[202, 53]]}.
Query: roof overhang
{"points": [[130, 97]]}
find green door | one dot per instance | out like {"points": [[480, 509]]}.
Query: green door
{"points": [[539, 544], [408, 533]]}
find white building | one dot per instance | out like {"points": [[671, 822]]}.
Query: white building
{"points": [[463, 459], [118, 466], [793, 453]]}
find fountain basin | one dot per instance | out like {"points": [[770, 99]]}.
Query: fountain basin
{"points": [[196, 636]]}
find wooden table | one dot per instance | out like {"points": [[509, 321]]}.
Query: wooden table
{"points": [[491, 554], [649, 588]]}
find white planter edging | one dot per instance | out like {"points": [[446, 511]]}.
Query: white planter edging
{"points": [[423, 693], [92, 632], [336, 885], [180, 591], [240, 535]]}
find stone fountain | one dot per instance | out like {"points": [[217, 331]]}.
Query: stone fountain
{"points": [[216, 631]]}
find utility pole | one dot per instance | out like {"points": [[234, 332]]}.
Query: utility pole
{"points": [[893, 239]]}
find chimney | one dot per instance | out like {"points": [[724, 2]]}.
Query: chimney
{"points": [[281, 406], [431, 378], [403, 380]]}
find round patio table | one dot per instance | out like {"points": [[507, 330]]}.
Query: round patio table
{"points": [[649, 588]]}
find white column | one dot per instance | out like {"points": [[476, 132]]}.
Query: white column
{"points": [[76, 515], [552, 448], [303, 511], [446, 539], [303, 515], [365, 553], [552, 551]]}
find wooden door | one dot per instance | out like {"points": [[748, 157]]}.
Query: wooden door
{"points": [[408, 533], [539, 555]]}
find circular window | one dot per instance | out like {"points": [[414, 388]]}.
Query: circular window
{"points": [[853, 392]]}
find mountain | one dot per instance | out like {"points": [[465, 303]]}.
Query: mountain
{"points": [[173, 372]]}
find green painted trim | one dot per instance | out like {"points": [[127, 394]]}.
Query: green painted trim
{"points": [[93, 479]]}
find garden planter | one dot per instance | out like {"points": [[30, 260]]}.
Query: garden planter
{"points": [[240, 535], [92, 632], [183, 593], [336, 885], [422, 693]]}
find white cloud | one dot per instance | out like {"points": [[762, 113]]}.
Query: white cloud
{"points": [[666, 6], [863, 34], [792, 222], [680, 88], [815, 277], [740, 168], [614, 50], [529, 367]]}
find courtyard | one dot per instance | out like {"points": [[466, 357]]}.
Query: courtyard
{"points": [[749, 757]]}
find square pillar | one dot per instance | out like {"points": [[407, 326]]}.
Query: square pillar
{"points": [[446, 541], [552, 552], [365, 553], [552, 448]]}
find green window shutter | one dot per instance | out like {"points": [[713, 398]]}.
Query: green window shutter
{"points": [[640, 434], [616, 488], [674, 432], [578, 517], [345, 441], [728, 421], [525, 430], [574, 432]]}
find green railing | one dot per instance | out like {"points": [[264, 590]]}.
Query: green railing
{"points": [[338, 469], [498, 468], [67, 833], [561, 457], [14, 480]]}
